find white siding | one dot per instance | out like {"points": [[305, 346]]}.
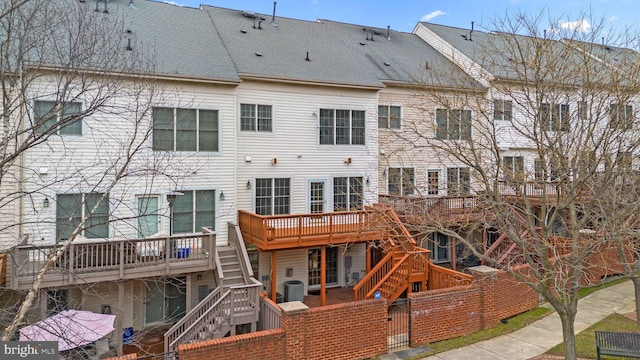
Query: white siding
{"points": [[294, 141]]}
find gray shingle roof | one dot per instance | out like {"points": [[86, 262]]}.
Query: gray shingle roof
{"points": [[181, 37], [400, 57], [283, 49]]}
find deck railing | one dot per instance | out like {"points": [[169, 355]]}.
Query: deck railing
{"points": [[440, 278], [422, 206], [529, 188], [365, 287], [299, 230], [270, 314], [215, 313], [89, 258]]}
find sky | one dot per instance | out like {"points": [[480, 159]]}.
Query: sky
{"points": [[402, 15]]}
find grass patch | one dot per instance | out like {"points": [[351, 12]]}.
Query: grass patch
{"points": [[586, 340], [512, 324], [589, 290]]}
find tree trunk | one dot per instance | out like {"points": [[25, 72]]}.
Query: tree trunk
{"points": [[568, 333]]}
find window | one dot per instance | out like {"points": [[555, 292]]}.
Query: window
{"points": [[62, 118], [458, 181], [57, 301], [558, 168], [272, 196], [539, 171], [433, 182], [347, 193], [255, 117], [389, 117], [401, 181], [583, 110], [439, 246], [453, 124], [341, 127], [72, 208], [621, 116], [554, 117], [502, 110], [185, 129], [513, 167], [194, 210], [624, 161]]}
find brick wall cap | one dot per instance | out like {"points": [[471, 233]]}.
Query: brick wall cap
{"points": [[293, 307], [483, 270]]}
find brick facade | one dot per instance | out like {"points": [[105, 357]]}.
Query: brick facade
{"points": [[267, 344], [445, 313]]}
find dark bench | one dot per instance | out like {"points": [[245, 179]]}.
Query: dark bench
{"points": [[618, 344]]}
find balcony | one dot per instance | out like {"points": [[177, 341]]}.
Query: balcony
{"points": [[307, 230], [96, 260], [449, 209]]}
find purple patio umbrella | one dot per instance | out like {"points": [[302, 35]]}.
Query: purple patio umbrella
{"points": [[70, 328]]}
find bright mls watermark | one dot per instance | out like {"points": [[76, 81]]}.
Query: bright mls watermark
{"points": [[31, 350]]}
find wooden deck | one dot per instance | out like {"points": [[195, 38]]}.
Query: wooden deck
{"points": [[89, 261], [308, 230]]}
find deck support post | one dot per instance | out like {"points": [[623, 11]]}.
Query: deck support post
{"points": [[368, 257], [119, 319], [273, 276], [452, 245], [484, 242], [323, 275]]}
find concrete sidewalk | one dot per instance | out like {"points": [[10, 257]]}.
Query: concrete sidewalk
{"points": [[542, 335]]}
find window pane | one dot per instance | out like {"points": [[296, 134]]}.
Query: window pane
{"points": [[465, 125], [433, 182], [342, 127], [183, 213], [247, 117], [355, 193], [326, 127], [264, 118], [281, 196], [441, 124], [205, 209], [465, 181], [454, 124], [44, 116], [97, 226], [71, 120], [564, 117], [394, 122], [68, 214], [162, 129], [497, 109], [208, 140], [507, 110], [383, 117], [186, 130], [394, 181], [408, 178], [545, 116], [340, 193], [147, 216], [264, 193], [453, 181], [357, 128]]}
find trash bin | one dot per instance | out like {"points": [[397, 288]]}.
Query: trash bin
{"points": [[293, 290], [279, 298]]}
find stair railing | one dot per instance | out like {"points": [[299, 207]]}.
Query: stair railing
{"points": [[373, 277]]}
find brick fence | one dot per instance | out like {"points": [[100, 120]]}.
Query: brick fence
{"points": [[359, 330]]}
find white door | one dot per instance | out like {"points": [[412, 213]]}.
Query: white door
{"points": [[317, 196]]}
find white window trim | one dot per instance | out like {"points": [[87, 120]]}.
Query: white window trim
{"points": [[340, 107], [441, 187], [253, 133], [83, 125], [193, 153]]}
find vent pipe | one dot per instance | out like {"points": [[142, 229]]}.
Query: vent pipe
{"points": [[97, 4], [307, 58], [471, 32], [129, 44], [273, 18], [388, 32], [106, 11]]}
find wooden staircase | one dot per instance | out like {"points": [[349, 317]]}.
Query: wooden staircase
{"points": [[234, 302]]}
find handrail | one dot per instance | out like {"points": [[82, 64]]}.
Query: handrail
{"points": [[241, 251], [441, 277], [394, 269], [375, 274], [189, 319]]}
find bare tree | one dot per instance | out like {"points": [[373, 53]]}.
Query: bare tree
{"points": [[535, 157], [61, 64]]}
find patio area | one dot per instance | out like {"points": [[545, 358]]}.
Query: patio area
{"points": [[334, 296]]}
